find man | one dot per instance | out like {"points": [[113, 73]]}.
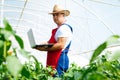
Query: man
{"points": [[61, 38]]}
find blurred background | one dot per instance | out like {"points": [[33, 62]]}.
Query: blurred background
{"points": [[93, 21]]}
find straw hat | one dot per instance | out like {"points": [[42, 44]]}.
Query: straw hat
{"points": [[60, 9]]}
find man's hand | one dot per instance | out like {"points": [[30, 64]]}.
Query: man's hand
{"points": [[41, 48]]}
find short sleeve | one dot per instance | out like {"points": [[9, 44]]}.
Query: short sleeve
{"points": [[63, 31]]}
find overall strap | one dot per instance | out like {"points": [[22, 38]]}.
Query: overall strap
{"points": [[69, 27], [68, 46]]}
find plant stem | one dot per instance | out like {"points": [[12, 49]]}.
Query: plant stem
{"points": [[5, 47]]}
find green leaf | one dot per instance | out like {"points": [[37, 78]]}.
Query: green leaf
{"points": [[77, 75], [98, 51], [20, 41], [111, 40], [25, 72], [2, 37], [1, 44], [24, 53], [7, 25], [1, 51], [6, 34], [37, 65], [13, 65], [115, 55], [8, 44], [96, 76]]}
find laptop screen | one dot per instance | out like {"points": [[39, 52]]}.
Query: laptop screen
{"points": [[32, 41], [31, 38]]}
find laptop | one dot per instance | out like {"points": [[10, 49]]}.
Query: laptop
{"points": [[32, 41]]}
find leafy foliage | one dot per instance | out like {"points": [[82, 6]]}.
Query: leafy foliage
{"points": [[113, 39], [9, 58], [100, 67]]}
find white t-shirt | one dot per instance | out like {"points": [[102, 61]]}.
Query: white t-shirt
{"points": [[64, 31]]}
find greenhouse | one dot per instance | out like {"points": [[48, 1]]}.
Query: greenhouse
{"points": [[94, 53]]}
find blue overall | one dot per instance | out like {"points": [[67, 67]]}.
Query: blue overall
{"points": [[63, 62]]}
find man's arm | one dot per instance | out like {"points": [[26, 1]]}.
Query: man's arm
{"points": [[57, 46]]}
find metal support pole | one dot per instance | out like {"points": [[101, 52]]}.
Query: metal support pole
{"points": [[2, 16]]}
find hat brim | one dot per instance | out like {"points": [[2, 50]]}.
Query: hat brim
{"points": [[66, 12]]}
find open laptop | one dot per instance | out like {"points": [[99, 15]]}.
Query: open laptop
{"points": [[32, 41]]}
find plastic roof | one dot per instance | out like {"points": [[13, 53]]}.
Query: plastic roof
{"points": [[93, 21]]}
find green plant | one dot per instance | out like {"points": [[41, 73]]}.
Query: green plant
{"points": [[10, 65], [9, 58], [101, 67], [111, 40]]}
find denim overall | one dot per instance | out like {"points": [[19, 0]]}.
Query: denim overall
{"points": [[63, 62]]}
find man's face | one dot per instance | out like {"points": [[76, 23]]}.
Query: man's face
{"points": [[58, 17]]}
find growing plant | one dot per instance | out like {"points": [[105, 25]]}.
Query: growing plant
{"points": [[10, 65], [101, 67]]}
